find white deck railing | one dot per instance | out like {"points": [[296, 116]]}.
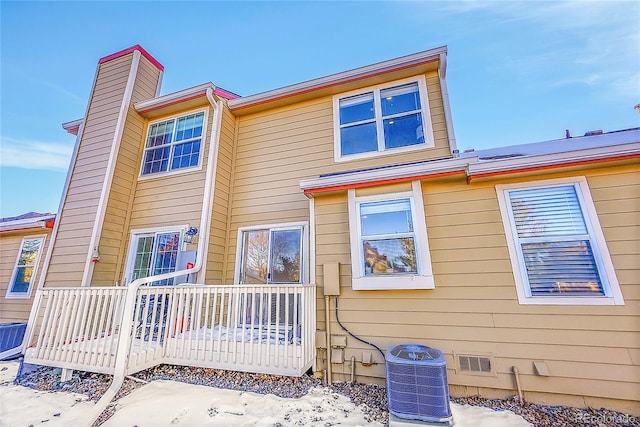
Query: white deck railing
{"points": [[253, 328], [78, 328]]}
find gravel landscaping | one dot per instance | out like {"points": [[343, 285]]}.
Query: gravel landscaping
{"points": [[372, 399]]}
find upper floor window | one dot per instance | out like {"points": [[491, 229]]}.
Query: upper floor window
{"points": [[390, 118], [24, 273], [389, 247], [557, 249], [173, 144]]}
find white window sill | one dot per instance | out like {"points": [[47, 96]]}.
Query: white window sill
{"points": [[18, 296], [568, 300], [376, 283]]}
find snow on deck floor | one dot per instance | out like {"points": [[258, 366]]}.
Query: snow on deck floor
{"points": [[166, 403]]}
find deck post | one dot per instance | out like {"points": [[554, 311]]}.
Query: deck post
{"points": [[66, 375]]}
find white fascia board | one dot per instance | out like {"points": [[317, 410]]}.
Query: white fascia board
{"points": [[394, 172], [74, 124], [514, 163], [333, 79], [22, 224], [172, 98]]}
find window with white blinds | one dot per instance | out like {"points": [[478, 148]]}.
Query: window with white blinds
{"points": [[554, 242], [556, 245]]}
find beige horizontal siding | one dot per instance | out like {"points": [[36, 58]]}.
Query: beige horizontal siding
{"points": [[474, 307], [168, 200], [88, 175], [113, 237], [218, 235]]}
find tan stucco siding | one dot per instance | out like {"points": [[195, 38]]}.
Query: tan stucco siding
{"points": [[221, 196], [18, 309], [79, 211], [127, 168], [591, 351]]}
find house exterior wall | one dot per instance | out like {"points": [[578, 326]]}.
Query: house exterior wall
{"points": [[113, 237], [99, 187], [17, 309], [278, 148], [474, 310]]}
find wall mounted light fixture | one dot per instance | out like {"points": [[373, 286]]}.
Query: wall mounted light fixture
{"points": [[191, 232]]}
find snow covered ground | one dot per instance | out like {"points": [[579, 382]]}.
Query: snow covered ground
{"points": [[166, 403]]}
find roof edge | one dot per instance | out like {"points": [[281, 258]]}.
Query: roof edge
{"points": [[129, 50], [474, 167], [43, 221], [73, 126], [181, 96], [337, 78]]}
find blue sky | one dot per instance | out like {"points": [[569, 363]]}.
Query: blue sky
{"points": [[518, 72]]}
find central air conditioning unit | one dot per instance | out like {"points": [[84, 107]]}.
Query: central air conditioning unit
{"points": [[417, 386]]}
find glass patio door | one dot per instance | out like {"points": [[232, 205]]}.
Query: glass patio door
{"points": [[272, 256], [154, 253]]}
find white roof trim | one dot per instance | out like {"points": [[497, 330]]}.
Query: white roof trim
{"points": [[532, 161], [333, 79], [74, 124], [174, 97], [21, 224], [472, 165], [394, 172]]}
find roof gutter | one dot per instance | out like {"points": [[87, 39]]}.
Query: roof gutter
{"points": [[394, 174], [339, 78], [471, 166], [199, 91], [40, 222], [487, 168]]}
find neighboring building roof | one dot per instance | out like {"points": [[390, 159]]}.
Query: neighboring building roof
{"points": [[610, 146], [27, 221]]}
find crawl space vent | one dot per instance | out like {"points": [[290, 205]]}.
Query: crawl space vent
{"points": [[417, 386], [474, 363]]}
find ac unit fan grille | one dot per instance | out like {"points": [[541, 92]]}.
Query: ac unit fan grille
{"points": [[418, 389]]}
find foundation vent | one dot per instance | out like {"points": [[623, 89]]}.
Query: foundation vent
{"points": [[469, 363]]}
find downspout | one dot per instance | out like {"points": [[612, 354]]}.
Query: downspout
{"points": [[442, 74], [132, 290], [212, 166]]}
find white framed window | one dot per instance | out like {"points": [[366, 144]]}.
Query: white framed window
{"points": [[272, 254], [389, 245], [174, 144], [384, 119], [557, 249], [24, 272], [153, 252]]}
